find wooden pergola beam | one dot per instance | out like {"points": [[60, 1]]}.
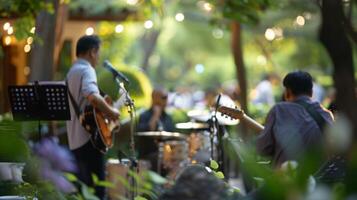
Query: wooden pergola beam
{"points": [[110, 15]]}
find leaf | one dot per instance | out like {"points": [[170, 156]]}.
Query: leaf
{"points": [[88, 193], [214, 165], [236, 190], [70, 177], [95, 179], [140, 198], [156, 178], [106, 184], [219, 174]]}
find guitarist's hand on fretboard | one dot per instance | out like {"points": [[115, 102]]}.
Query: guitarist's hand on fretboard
{"points": [[108, 99]]}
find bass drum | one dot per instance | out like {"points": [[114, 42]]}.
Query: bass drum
{"points": [[117, 172], [173, 155], [199, 147]]}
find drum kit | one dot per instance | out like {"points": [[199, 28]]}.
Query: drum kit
{"points": [[177, 150]]}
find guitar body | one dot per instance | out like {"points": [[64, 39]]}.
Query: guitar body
{"points": [[101, 129]]}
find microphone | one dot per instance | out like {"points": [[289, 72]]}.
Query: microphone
{"points": [[116, 73]]}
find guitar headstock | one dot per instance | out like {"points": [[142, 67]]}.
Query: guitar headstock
{"points": [[235, 113]]}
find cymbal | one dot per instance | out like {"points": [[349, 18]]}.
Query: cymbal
{"points": [[161, 134], [204, 116], [192, 125]]}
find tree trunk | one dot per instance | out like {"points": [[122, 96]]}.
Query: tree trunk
{"points": [[149, 43], [42, 55], [240, 69], [337, 44]]}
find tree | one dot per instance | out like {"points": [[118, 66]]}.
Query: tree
{"points": [[334, 36], [47, 30], [237, 12]]}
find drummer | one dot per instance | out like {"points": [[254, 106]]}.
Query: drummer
{"points": [[154, 119]]}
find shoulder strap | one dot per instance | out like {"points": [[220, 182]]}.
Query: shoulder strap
{"points": [[321, 122], [75, 105]]}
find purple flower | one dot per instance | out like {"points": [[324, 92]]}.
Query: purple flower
{"points": [[54, 160], [59, 157]]}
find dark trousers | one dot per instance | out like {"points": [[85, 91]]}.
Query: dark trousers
{"points": [[90, 161]]}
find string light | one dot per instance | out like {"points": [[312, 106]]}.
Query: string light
{"points": [[269, 34], [10, 30], [89, 31], [27, 48], [148, 24], [6, 26], [7, 40], [29, 40], [207, 6], [217, 33], [179, 17], [132, 2], [33, 29], [119, 28], [300, 20]]}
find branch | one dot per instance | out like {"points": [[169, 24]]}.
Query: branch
{"points": [[347, 25]]}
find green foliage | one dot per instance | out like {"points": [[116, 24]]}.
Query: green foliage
{"points": [[20, 8], [140, 198], [92, 7], [139, 87], [13, 147], [247, 11], [87, 192], [25, 12], [178, 116], [219, 174], [214, 164], [145, 182], [101, 183], [71, 177]]}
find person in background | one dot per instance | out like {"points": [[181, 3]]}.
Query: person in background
{"points": [[263, 92], [154, 119], [318, 92], [292, 129], [82, 85]]}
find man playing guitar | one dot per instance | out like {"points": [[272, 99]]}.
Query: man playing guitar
{"points": [[294, 127], [82, 85]]}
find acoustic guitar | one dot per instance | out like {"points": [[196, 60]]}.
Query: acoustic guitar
{"points": [[100, 127], [237, 113]]}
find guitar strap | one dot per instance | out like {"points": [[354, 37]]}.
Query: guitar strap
{"points": [[321, 122], [75, 105], [333, 170]]}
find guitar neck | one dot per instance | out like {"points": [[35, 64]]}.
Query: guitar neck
{"points": [[239, 114], [252, 123]]}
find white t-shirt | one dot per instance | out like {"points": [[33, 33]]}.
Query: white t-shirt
{"points": [[264, 92], [82, 81]]}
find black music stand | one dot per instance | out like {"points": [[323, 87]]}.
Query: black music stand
{"points": [[39, 101]]}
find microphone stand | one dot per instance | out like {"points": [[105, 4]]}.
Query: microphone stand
{"points": [[213, 127], [132, 157]]}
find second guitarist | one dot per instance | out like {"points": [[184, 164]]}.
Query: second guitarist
{"points": [[291, 131], [82, 83]]}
